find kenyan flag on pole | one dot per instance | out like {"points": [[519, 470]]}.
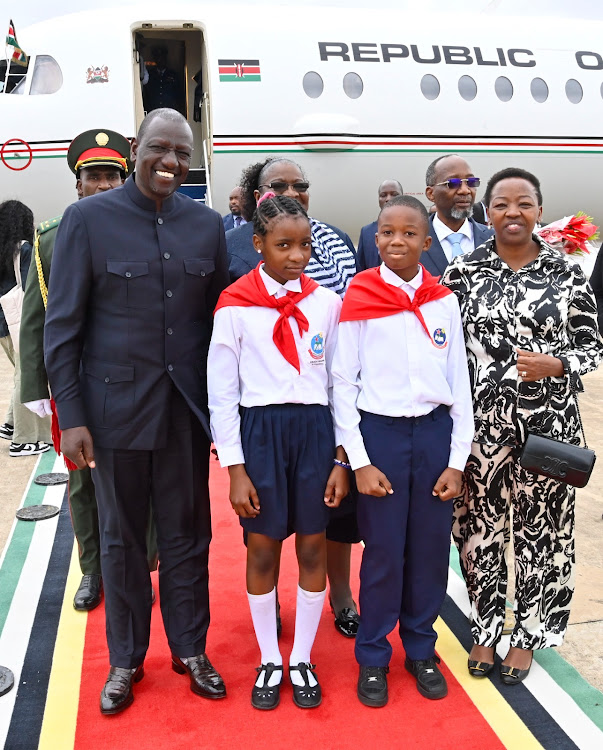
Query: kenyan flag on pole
{"points": [[17, 55], [239, 70]]}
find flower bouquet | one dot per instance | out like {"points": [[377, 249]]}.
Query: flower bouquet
{"points": [[572, 234]]}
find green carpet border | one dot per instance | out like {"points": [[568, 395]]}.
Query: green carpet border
{"points": [[16, 553], [584, 695]]}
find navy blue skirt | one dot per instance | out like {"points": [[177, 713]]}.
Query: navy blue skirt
{"points": [[289, 451]]}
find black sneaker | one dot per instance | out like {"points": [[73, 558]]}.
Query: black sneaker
{"points": [[372, 686], [6, 431], [27, 449], [431, 683]]}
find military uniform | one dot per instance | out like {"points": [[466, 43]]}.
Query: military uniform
{"points": [[34, 380]]}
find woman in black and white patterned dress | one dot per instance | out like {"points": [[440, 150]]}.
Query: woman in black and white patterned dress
{"points": [[530, 323]]}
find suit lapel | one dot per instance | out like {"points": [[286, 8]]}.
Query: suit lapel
{"points": [[435, 252]]}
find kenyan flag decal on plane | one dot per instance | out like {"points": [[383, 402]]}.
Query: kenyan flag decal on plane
{"points": [[239, 70]]}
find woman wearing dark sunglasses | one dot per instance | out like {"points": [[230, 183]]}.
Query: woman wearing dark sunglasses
{"points": [[332, 265]]}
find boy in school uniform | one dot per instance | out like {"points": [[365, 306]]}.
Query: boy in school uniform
{"points": [[404, 416]]}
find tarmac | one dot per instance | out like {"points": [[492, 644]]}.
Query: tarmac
{"points": [[583, 646]]}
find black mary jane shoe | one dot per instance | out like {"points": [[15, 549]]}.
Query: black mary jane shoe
{"points": [[479, 669], [513, 675], [268, 697], [346, 621], [305, 696]]}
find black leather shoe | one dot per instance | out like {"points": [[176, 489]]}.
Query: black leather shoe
{"points": [[117, 693], [267, 697], [346, 621], [89, 593], [372, 686], [512, 675], [479, 668], [431, 683], [305, 696], [205, 681]]}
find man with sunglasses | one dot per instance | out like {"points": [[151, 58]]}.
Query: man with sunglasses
{"points": [[451, 187]]}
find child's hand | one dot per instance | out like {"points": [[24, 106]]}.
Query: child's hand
{"points": [[338, 486], [449, 484], [371, 481], [243, 496]]}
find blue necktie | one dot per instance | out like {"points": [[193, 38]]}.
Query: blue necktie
{"points": [[455, 241], [237, 222]]}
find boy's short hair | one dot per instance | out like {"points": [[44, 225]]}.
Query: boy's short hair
{"points": [[410, 202]]}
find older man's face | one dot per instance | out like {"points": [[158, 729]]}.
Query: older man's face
{"points": [[452, 203]]}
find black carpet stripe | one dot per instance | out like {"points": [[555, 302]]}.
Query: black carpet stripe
{"points": [[538, 720], [26, 722]]}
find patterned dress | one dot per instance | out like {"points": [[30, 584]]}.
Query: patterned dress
{"points": [[547, 306]]}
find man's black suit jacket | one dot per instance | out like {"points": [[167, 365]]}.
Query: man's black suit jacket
{"points": [[435, 260], [130, 305]]}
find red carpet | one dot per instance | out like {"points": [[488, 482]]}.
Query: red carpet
{"points": [[167, 715]]}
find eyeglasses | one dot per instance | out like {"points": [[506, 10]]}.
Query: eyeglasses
{"points": [[454, 183], [280, 187]]}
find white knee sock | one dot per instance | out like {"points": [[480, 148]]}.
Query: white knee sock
{"points": [[307, 617], [263, 614]]}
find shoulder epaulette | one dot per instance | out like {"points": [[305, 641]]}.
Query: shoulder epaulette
{"points": [[44, 226]]}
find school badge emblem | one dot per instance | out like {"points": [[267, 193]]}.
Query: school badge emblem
{"points": [[439, 338], [317, 346]]}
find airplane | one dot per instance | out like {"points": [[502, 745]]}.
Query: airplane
{"points": [[354, 96]]}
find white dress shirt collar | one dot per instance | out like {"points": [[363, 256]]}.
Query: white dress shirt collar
{"points": [[275, 289], [442, 231], [392, 278]]}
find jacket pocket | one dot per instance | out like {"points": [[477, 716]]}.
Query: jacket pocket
{"points": [[201, 267], [110, 392], [129, 282]]}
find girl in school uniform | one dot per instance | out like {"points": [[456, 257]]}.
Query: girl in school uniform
{"points": [[403, 411], [269, 390]]}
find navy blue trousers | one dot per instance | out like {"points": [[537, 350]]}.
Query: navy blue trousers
{"points": [[404, 569]]}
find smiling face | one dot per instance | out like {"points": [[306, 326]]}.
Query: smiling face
{"points": [[94, 180], [286, 247], [162, 158], [453, 206], [286, 172], [402, 235], [514, 210]]}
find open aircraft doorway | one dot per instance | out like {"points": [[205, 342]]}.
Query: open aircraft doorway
{"points": [[170, 70]]}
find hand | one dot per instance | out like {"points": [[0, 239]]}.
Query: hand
{"points": [[40, 407], [76, 444], [449, 484], [371, 481], [338, 486], [243, 495], [536, 366]]}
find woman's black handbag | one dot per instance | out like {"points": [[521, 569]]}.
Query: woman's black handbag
{"points": [[571, 464]]}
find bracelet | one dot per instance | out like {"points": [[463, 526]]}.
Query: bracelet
{"points": [[343, 464]]}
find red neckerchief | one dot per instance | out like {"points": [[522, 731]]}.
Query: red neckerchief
{"points": [[250, 291], [369, 296]]}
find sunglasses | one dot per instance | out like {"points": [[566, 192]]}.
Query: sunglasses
{"points": [[454, 183], [280, 187]]}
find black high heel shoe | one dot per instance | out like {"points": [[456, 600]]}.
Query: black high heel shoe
{"points": [[346, 621], [513, 675], [479, 668]]}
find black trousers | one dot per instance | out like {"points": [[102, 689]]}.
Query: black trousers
{"points": [[175, 479]]}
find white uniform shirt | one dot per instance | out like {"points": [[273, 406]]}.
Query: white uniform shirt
{"points": [[442, 232], [245, 367], [390, 366]]}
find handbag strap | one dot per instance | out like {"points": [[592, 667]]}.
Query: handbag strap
{"points": [[574, 394]]}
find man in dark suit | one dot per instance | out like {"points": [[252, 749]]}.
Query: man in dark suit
{"points": [[135, 276], [367, 255], [451, 186], [234, 218]]}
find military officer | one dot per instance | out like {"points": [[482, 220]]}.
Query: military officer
{"points": [[99, 161]]}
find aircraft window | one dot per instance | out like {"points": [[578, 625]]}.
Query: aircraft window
{"points": [[467, 88], [573, 91], [352, 85], [503, 88], [430, 86], [47, 76], [539, 90], [313, 85]]}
